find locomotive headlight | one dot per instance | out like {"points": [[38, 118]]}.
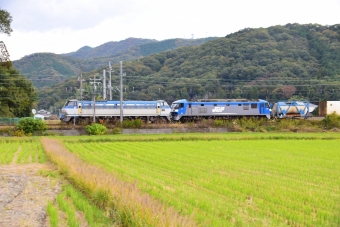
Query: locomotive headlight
{"points": [[270, 110]]}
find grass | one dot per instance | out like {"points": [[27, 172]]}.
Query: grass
{"points": [[52, 212], [72, 208], [94, 216], [202, 136], [22, 152], [7, 152], [67, 208], [230, 180], [125, 203]]}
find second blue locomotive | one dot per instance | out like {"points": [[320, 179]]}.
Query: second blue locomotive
{"points": [[219, 108]]}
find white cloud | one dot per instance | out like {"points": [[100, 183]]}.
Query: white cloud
{"points": [[62, 26]]}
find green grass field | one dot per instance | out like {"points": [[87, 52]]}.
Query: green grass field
{"points": [[15, 151], [229, 179]]}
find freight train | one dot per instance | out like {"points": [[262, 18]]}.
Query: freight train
{"points": [[183, 110]]}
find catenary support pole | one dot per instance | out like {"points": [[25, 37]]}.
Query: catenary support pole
{"points": [[121, 92], [104, 84]]}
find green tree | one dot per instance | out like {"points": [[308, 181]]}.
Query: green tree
{"points": [[5, 22], [17, 94]]}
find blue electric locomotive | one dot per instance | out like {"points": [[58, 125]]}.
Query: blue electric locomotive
{"points": [[219, 108], [85, 110]]}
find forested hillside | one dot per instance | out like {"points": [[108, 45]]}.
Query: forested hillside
{"points": [[279, 62], [109, 48], [46, 69]]}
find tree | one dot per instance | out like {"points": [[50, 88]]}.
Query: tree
{"points": [[5, 22], [17, 94], [288, 91]]}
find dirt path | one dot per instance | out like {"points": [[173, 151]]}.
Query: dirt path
{"points": [[24, 194]]}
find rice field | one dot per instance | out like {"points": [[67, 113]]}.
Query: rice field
{"points": [[229, 182], [73, 209], [21, 152]]}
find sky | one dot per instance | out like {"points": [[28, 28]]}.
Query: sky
{"points": [[63, 26]]}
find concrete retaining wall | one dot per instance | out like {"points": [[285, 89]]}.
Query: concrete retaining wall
{"points": [[68, 132], [172, 130], [78, 132]]}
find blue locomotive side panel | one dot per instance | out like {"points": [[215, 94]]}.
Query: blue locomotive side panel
{"points": [[219, 108]]}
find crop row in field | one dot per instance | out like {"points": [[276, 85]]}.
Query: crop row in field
{"points": [[206, 136], [225, 183], [76, 210], [21, 152]]}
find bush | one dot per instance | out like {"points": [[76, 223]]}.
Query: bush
{"points": [[249, 124], [116, 130], [331, 121], [132, 123], [30, 125], [5, 131], [96, 129], [218, 123], [18, 133]]}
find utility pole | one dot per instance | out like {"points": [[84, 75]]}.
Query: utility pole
{"points": [[94, 96], [81, 83], [110, 86], [121, 92], [104, 85]]}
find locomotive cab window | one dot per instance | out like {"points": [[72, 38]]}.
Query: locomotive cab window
{"points": [[215, 104], [202, 104], [71, 103], [176, 106]]}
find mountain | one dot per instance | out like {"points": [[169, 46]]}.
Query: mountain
{"points": [[280, 62], [108, 49], [46, 69]]}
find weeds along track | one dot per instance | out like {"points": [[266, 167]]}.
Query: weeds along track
{"points": [[123, 200]]}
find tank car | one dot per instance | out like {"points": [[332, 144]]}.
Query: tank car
{"points": [[219, 108], [284, 109], [85, 110]]}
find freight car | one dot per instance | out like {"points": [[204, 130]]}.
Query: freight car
{"points": [[76, 110], [284, 109], [185, 110], [329, 107]]}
